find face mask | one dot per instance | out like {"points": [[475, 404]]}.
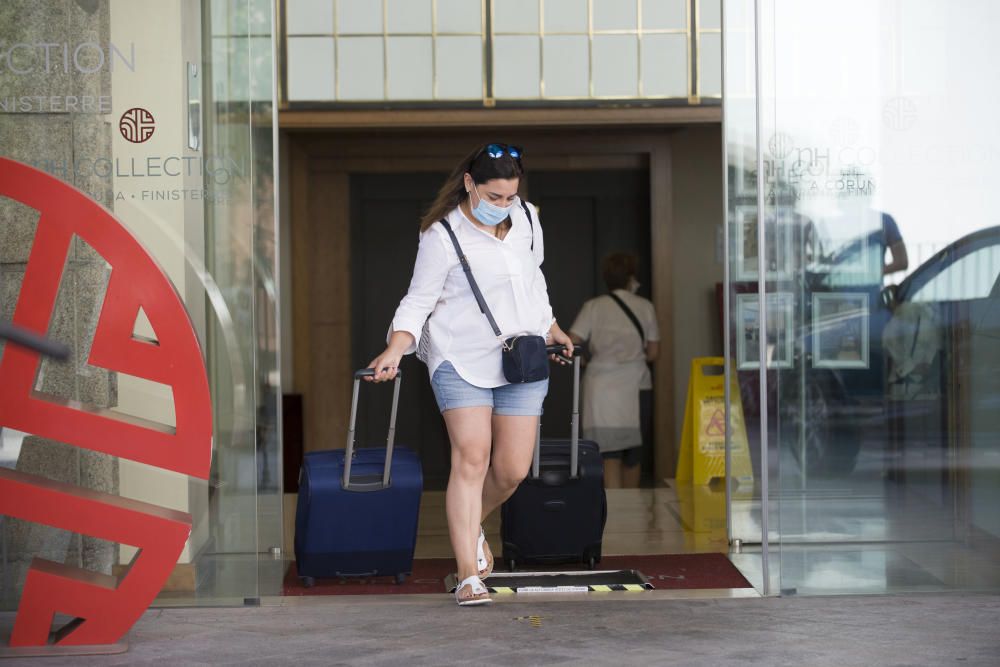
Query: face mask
{"points": [[487, 213], [633, 285]]}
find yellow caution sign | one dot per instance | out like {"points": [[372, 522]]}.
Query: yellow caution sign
{"points": [[703, 440], [702, 510]]}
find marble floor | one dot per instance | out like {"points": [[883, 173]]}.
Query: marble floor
{"points": [[834, 537], [640, 522], [863, 536], [858, 535]]}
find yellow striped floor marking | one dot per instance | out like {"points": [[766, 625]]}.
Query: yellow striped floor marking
{"points": [[633, 587], [503, 590], [600, 588]]}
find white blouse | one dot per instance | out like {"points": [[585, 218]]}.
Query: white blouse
{"points": [[510, 277]]}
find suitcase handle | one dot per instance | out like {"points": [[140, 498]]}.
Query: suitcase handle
{"points": [[579, 350], [370, 485], [370, 372], [373, 573], [574, 448]]}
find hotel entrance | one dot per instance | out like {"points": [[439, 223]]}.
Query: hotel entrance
{"points": [[354, 202]]}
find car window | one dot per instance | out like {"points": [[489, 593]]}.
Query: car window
{"points": [[970, 277]]}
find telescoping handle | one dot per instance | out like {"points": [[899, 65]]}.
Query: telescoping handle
{"points": [[370, 485], [574, 448]]}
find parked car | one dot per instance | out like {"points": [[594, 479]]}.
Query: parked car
{"points": [[926, 338]]}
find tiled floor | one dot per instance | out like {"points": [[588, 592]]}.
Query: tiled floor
{"points": [[640, 521], [860, 535]]}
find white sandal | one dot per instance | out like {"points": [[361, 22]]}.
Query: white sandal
{"points": [[485, 566], [478, 589]]}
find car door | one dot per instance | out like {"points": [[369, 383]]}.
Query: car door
{"points": [[942, 343]]}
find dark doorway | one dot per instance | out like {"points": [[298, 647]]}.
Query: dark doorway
{"points": [[385, 214], [585, 214]]}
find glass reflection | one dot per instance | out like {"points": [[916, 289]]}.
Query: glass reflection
{"points": [[883, 410]]}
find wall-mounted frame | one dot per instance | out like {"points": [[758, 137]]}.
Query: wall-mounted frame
{"points": [[780, 330], [840, 330], [847, 259], [852, 239], [779, 246]]}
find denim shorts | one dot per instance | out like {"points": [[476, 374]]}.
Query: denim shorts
{"points": [[510, 400]]}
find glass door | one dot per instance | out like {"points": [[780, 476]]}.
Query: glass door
{"points": [[752, 515], [882, 304], [137, 229]]}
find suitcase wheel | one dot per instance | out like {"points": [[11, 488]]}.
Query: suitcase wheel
{"points": [[307, 582], [400, 578]]}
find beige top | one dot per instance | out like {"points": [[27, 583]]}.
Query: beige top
{"points": [[617, 370]]}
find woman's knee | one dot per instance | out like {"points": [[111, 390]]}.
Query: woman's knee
{"points": [[470, 448], [506, 478], [471, 464]]}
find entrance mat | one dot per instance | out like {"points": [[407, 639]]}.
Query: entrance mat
{"points": [[585, 581], [665, 572]]}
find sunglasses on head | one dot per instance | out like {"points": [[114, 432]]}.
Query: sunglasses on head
{"points": [[496, 151]]}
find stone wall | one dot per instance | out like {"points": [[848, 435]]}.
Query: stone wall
{"points": [[56, 141]]}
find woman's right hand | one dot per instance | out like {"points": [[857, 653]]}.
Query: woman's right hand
{"points": [[386, 365]]}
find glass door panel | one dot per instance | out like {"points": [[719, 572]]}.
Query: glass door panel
{"points": [[161, 113], [883, 261]]}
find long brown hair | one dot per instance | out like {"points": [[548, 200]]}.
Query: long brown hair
{"points": [[482, 168]]}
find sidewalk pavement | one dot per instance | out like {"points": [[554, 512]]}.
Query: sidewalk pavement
{"points": [[596, 629]]}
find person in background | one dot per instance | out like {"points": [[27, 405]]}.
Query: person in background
{"points": [[621, 332], [892, 241]]}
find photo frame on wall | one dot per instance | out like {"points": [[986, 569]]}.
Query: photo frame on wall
{"points": [[780, 330], [840, 330], [779, 246], [851, 244]]}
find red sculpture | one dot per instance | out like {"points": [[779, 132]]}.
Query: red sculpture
{"points": [[105, 607]]}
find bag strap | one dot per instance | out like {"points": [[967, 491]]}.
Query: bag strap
{"points": [[524, 205], [631, 316], [472, 281]]}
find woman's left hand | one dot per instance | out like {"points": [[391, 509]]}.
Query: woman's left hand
{"points": [[559, 337]]}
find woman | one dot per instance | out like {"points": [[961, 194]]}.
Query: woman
{"points": [[621, 331], [439, 319]]}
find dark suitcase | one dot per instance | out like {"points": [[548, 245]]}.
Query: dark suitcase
{"points": [[358, 508], [557, 514]]}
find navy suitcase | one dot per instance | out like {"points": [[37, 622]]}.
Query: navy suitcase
{"points": [[557, 514], [358, 508]]}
